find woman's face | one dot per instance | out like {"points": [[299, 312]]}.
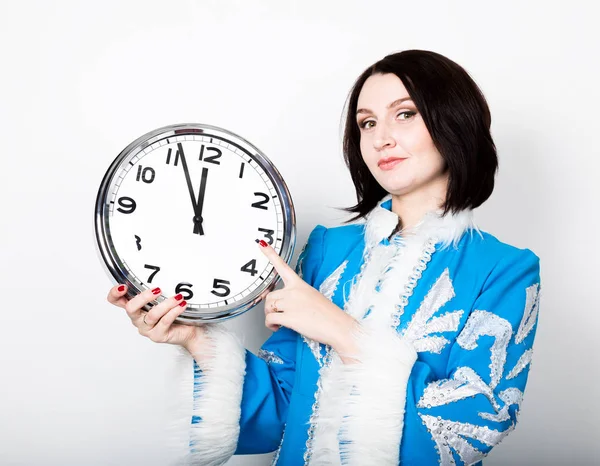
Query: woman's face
{"points": [[394, 140]]}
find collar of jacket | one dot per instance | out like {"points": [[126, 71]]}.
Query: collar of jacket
{"points": [[445, 229]]}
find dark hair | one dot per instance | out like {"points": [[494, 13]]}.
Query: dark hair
{"points": [[457, 117]]}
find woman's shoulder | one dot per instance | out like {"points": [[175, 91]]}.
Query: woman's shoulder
{"points": [[489, 249]]}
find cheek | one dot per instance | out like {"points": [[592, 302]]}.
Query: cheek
{"points": [[368, 153], [415, 142]]}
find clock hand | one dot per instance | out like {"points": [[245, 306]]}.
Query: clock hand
{"points": [[188, 180], [200, 202]]}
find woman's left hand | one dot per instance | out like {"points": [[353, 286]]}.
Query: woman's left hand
{"points": [[300, 307]]}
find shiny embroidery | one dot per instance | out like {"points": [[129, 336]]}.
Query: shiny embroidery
{"points": [[451, 435], [464, 384], [482, 323], [510, 396], [531, 312], [423, 324], [269, 357], [521, 364], [327, 289], [428, 250], [276, 455]]}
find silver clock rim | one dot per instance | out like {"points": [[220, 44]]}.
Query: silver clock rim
{"points": [[114, 267]]}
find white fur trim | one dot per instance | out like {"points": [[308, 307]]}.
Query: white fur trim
{"points": [[216, 400], [359, 413], [447, 229], [372, 429]]}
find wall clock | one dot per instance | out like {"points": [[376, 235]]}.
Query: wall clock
{"points": [[181, 208]]}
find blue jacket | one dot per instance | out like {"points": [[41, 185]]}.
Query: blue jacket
{"points": [[448, 315]]}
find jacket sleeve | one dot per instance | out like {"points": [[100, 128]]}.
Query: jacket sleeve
{"points": [[241, 399], [457, 419]]}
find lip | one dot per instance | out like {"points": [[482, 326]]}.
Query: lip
{"points": [[389, 162]]}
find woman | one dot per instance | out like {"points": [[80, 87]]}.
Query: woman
{"points": [[405, 338]]}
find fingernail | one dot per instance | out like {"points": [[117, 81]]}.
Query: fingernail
{"points": [[178, 297], [263, 243], [183, 303], [156, 291], [121, 288]]}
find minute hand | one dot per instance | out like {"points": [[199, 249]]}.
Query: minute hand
{"points": [[200, 202], [197, 220]]}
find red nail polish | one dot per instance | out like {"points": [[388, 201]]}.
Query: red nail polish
{"points": [[178, 297], [263, 243], [121, 288], [183, 303], [156, 291]]}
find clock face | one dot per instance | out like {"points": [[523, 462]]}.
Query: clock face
{"points": [[183, 212]]}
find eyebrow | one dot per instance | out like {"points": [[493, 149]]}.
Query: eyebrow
{"points": [[393, 104]]}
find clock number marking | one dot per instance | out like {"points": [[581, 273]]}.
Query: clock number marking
{"points": [[152, 267], [147, 174], [184, 290], [268, 234], [127, 204], [138, 242], [176, 161], [221, 284], [261, 204], [250, 267], [242, 170], [211, 158]]}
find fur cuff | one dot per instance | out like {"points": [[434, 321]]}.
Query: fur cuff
{"points": [[371, 431], [213, 422]]}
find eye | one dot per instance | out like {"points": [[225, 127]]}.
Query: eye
{"points": [[366, 124], [409, 114]]}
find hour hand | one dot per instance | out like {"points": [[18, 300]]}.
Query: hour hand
{"points": [[197, 218]]}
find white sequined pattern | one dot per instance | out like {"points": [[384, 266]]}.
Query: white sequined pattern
{"points": [[423, 324], [482, 323], [449, 435], [521, 364], [465, 383], [327, 289], [530, 314], [269, 357]]}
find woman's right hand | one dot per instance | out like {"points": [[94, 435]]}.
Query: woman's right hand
{"points": [[158, 323]]}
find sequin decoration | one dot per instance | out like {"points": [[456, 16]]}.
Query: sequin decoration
{"points": [[327, 289], [422, 325], [465, 383], [276, 455], [521, 364], [510, 396], [427, 252], [530, 313], [482, 323], [269, 357], [451, 435]]}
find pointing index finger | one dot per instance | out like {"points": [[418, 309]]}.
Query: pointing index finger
{"points": [[286, 273]]}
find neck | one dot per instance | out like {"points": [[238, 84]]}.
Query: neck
{"points": [[412, 207]]}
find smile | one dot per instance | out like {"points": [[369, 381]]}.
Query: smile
{"points": [[388, 164]]}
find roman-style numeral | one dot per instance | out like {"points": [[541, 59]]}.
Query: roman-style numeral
{"points": [[176, 161]]}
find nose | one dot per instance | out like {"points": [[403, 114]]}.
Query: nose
{"points": [[383, 138]]}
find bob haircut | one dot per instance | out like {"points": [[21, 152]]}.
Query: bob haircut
{"points": [[457, 117]]}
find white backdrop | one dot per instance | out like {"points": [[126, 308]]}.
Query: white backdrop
{"points": [[80, 80]]}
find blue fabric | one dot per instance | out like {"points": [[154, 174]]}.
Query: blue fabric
{"points": [[487, 275]]}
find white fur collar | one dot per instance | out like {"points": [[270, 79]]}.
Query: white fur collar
{"points": [[448, 229]]}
